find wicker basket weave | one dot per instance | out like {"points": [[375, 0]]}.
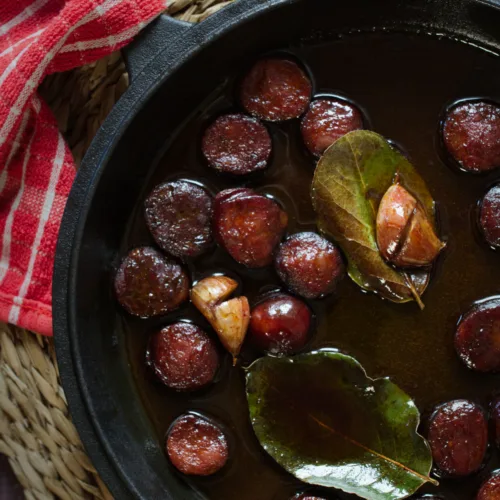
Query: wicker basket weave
{"points": [[36, 432]]}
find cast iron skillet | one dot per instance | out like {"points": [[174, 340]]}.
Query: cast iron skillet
{"points": [[173, 67]]}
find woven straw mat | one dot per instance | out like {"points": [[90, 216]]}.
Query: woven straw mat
{"points": [[36, 432]]}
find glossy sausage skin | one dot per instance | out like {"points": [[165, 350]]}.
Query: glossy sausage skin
{"points": [[178, 215], [458, 436], [248, 225], [237, 144], [310, 265], [471, 133], [490, 489], [326, 121], [276, 90], [197, 446], [148, 284], [489, 216], [280, 324], [183, 357], [477, 339]]}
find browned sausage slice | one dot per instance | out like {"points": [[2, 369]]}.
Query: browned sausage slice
{"points": [[458, 436], [477, 337], [471, 133], [197, 446], [490, 489], [276, 90], [183, 357], [326, 121], [248, 225], [237, 144], [148, 284], [490, 216], [280, 324], [309, 265], [178, 215]]}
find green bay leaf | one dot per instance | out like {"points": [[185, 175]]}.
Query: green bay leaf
{"points": [[323, 420], [349, 182]]}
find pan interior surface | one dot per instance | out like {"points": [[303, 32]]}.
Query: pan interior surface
{"points": [[402, 74]]}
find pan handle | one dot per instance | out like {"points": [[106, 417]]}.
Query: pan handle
{"points": [[164, 29]]}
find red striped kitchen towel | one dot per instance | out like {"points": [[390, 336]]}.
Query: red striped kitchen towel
{"points": [[38, 37]]}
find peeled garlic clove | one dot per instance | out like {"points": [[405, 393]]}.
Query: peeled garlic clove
{"points": [[229, 318], [231, 323], [421, 245], [209, 292], [405, 235], [395, 210]]}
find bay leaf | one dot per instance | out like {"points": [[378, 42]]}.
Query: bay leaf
{"points": [[322, 419], [349, 182]]}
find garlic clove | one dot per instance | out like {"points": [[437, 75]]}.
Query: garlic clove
{"points": [[229, 318], [405, 235], [395, 210], [231, 323], [209, 292], [421, 245]]}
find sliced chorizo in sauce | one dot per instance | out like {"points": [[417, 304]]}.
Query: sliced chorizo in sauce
{"points": [[490, 489], [197, 446], [471, 134], [183, 357], [178, 215], [458, 437], [237, 144], [276, 90], [309, 265], [280, 324], [248, 225], [477, 338], [327, 120], [489, 216], [148, 283]]}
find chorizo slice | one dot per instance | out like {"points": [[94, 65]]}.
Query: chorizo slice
{"points": [[237, 144], [280, 324], [477, 337], [309, 265], [458, 437], [326, 121], [471, 134], [489, 216], [148, 283], [490, 489], [197, 446], [178, 215], [183, 357], [276, 90], [249, 226]]}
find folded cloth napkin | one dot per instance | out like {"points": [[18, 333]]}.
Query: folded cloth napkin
{"points": [[39, 37]]}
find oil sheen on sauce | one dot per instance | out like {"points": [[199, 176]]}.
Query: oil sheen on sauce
{"points": [[403, 83]]}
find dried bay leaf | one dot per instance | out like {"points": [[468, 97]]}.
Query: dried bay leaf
{"points": [[349, 182]]}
